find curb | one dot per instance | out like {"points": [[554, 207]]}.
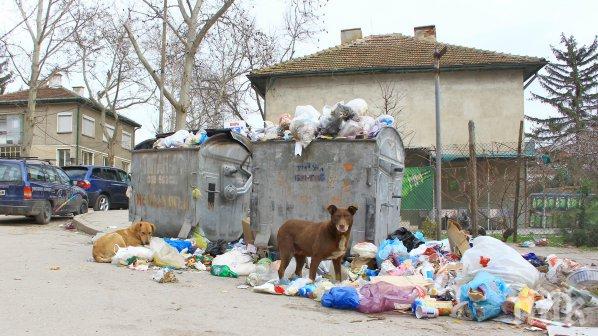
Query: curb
{"points": [[82, 225]]}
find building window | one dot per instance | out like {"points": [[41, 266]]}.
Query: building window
{"points": [[105, 161], [86, 158], [64, 121], [10, 129], [126, 140], [63, 157], [88, 126], [110, 131], [125, 166]]}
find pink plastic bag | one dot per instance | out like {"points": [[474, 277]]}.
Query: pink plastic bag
{"points": [[382, 296]]}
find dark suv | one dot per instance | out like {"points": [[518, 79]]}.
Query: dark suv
{"points": [[106, 187], [37, 189]]}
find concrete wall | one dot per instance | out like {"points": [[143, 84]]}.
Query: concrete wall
{"points": [[47, 140], [492, 99]]}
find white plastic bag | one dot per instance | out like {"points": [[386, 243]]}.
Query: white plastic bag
{"points": [[165, 255], [505, 262], [358, 105], [365, 250], [177, 139], [350, 129], [237, 261], [329, 124], [367, 123], [304, 125], [125, 253]]}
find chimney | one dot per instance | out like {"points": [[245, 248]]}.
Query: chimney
{"points": [[425, 33], [55, 80], [350, 35], [79, 90]]}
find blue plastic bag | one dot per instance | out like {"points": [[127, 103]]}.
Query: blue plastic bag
{"points": [[495, 292], [390, 247], [341, 298], [306, 290], [179, 244]]}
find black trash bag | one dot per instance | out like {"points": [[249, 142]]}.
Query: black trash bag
{"points": [[216, 248], [408, 239]]}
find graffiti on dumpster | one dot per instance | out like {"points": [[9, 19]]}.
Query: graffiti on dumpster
{"points": [[160, 179], [162, 201], [309, 172]]}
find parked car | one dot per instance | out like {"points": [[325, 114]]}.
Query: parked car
{"points": [[37, 189], [106, 187]]}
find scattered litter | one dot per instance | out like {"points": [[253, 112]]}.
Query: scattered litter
{"points": [[242, 286], [164, 275], [54, 268]]}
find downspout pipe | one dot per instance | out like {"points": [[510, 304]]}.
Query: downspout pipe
{"points": [[77, 136]]}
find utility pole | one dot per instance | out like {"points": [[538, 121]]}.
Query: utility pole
{"points": [[517, 183], [437, 188], [162, 66], [473, 180]]}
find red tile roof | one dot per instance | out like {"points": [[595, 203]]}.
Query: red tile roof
{"points": [[55, 95], [394, 52]]}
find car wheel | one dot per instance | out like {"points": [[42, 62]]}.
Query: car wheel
{"points": [[102, 203], [45, 215], [83, 207]]}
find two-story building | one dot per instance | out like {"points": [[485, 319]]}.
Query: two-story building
{"points": [[67, 128], [484, 86]]}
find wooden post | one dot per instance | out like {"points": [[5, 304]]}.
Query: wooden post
{"points": [[517, 182], [473, 181]]}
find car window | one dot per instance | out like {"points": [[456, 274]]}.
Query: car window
{"points": [[123, 177], [64, 178], [97, 173], [110, 174], [75, 173], [10, 172], [36, 173], [51, 175]]}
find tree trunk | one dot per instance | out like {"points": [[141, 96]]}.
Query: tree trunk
{"points": [[29, 120], [162, 70]]}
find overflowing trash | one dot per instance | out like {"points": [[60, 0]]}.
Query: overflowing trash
{"points": [[405, 273]]}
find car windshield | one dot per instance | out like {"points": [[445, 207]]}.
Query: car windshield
{"points": [[75, 173], [10, 172]]}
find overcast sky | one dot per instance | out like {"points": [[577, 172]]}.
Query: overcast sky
{"points": [[517, 27]]}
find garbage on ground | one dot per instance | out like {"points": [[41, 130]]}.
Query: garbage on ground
{"points": [[165, 255], [484, 295], [404, 273], [341, 298], [505, 262], [164, 275], [125, 253], [223, 271]]}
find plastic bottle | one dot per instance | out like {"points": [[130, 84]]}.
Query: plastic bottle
{"points": [[428, 270]]}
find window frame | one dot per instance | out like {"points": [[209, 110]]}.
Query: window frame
{"points": [[108, 126], [88, 118], [122, 140], [63, 114], [58, 156], [83, 152]]}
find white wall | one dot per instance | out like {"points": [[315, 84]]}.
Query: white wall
{"points": [[492, 99]]}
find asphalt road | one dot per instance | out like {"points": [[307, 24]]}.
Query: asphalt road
{"points": [[49, 286]]}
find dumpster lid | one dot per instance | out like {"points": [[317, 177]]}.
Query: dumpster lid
{"points": [[222, 134]]}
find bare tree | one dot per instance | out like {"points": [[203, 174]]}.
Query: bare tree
{"points": [[113, 78], [50, 25], [190, 33], [391, 103]]}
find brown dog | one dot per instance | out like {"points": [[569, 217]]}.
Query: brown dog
{"points": [[137, 234], [320, 241]]}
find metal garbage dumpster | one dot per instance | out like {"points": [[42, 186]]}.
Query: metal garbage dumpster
{"points": [[177, 189], [366, 173]]}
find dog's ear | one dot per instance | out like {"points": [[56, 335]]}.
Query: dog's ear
{"points": [[137, 226], [332, 209], [352, 209], [153, 228]]}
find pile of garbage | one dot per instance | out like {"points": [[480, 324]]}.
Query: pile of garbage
{"points": [[406, 273], [343, 120]]}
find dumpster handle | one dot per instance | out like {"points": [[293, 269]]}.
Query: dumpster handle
{"points": [[368, 174], [245, 188]]}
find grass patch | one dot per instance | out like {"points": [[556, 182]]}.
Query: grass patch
{"points": [[553, 239]]}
